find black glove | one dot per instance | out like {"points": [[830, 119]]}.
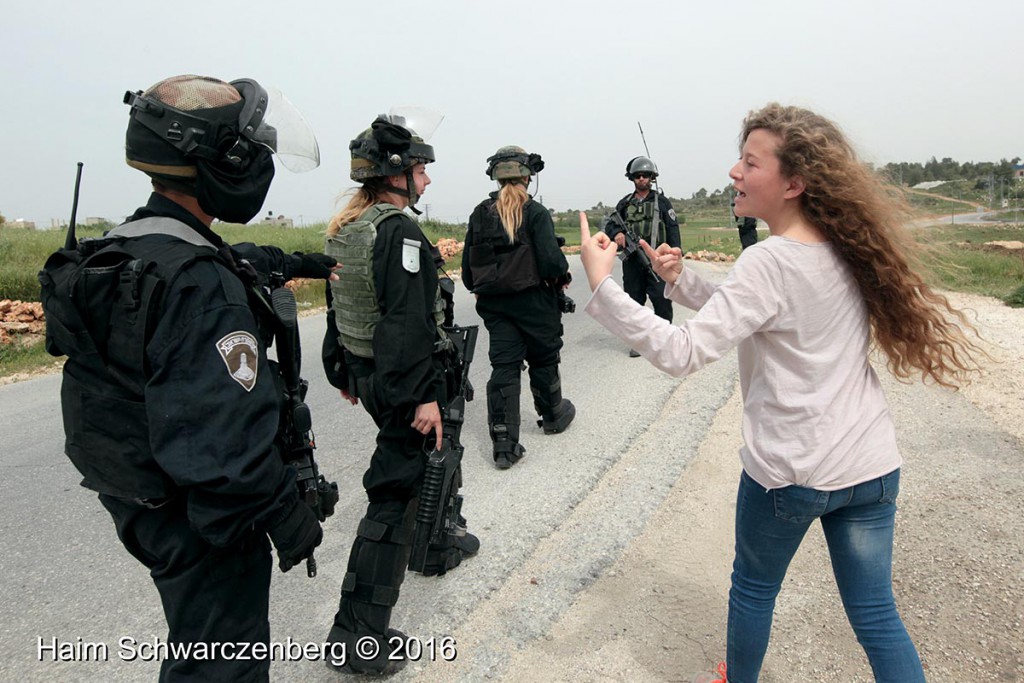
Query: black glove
{"points": [[295, 534], [316, 266]]}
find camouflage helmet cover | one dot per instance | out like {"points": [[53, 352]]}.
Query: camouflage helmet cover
{"points": [[511, 162], [195, 103], [186, 119], [641, 165], [387, 148]]}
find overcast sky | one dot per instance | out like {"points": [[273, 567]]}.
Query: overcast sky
{"points": [[568, 80]]}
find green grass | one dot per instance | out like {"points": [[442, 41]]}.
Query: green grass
{"points": [[22, 255], [960, 261], [24, 356], [1016, 298]]}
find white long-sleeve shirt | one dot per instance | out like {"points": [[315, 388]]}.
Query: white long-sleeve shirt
{"points": [[814, 413]]}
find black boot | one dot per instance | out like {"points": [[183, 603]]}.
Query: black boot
{"points": [[376, 569], [503, 420], [507, 449], [556, 412], [449, 555], [560, 417]]}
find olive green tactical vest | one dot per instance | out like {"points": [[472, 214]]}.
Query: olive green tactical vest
{"points": [[356, 310], [640, 216]]}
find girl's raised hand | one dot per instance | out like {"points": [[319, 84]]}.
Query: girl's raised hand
{"points": [[597, 253]]}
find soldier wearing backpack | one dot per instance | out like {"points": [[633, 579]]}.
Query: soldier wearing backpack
{"points": [[171, 409], [513, 264], [383, 348]]}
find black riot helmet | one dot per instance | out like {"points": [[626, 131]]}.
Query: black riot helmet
{"points": [[215, 140], [641, 165], [511, 162], [392, 145]]}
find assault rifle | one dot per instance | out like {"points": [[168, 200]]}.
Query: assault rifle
{"points": [[632, 250], [296, 432], [565, 302], [440, 508]]}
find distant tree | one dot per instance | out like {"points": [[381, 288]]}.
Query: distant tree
{"points": [[2, 219], [700, 194]]}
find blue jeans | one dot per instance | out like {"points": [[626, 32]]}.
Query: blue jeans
{"points": [[858, 526]]}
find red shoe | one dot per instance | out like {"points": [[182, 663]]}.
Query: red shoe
{"points": [[717, 677]]}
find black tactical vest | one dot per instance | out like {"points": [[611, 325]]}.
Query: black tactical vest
{"points": [[102, 303], [497, 266]]}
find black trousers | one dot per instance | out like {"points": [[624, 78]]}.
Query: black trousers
{"points": [[522, 326], [639, 287], [399, 459], [748, 232], [209, 594]]}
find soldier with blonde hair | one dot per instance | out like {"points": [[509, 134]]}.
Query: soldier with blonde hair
{"points": [[513, 263]]}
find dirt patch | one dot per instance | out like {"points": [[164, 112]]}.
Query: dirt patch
{"points": [[1010, 246]]}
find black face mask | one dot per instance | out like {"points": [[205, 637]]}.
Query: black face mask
{"points": [[234, 193]]}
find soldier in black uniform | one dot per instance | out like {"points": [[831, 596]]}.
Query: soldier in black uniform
{"points": [[381, 349], [512, 262], [746, 225], [173, 418], [649, 214]]}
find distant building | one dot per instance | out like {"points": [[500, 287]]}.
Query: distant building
{"points": [[95, 220], [281, 221], [21, 223], [1018, 171]]}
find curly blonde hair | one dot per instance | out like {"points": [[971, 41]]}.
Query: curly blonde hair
{"points": [[862, 216]]}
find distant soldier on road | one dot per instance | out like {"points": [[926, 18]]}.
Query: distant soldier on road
{"points": [[746, 225], [649, 215]]}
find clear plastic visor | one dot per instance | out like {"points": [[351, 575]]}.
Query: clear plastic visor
{"points": [[422, 121], [286, 133]]}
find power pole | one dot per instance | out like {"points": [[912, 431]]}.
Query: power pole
{"points": [[426, 211]]}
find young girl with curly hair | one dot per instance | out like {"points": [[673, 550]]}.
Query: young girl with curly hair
{"points": [[836, 279]]}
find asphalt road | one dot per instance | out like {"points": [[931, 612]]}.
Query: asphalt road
{"points": [[66, 579]]}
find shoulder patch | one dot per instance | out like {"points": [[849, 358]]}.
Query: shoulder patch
{"points": [[411, 255], [238, 350], [672, 214]]}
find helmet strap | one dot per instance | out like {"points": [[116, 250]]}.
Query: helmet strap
{"points": [[411, 193]]}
